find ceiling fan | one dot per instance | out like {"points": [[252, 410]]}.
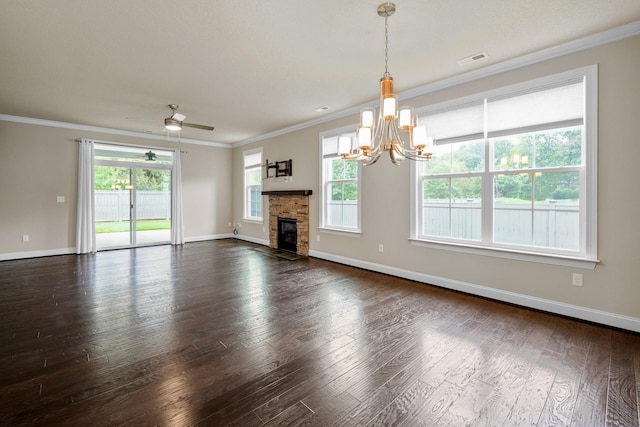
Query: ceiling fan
{"points": [[176, 121]]}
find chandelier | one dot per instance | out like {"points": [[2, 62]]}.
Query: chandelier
{"points": [[374, 138]]}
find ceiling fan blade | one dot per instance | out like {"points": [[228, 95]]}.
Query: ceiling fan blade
{"points": [[193, 125]]}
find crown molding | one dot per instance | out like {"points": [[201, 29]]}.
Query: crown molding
{"points": [[588, 42], [87, 128]]}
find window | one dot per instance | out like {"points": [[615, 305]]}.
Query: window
{"points": [[514, 170], [253, 185], [340, 185]]}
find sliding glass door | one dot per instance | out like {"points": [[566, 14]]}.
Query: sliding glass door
{"points": [[114, 206], [132, 196], [152, 206]]}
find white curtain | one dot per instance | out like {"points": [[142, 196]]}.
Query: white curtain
{"points": [[177, 232], [86, 227]]}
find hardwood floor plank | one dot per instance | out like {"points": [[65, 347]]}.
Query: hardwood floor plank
{"points": [[383, 396], [560, 404], [622, 400], [295, 415], [403, 405], [591, 405], [434, 406], [531, 400], [328, 406], [217, 333], [636, 360]]}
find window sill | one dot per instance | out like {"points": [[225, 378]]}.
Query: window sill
{"points": [[340, 232], [566, 261]]}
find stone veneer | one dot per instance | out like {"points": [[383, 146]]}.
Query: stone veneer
{"points": [[290, 206]]}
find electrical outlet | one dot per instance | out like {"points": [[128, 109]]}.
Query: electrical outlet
{"points": [[576, 279], [317, 237], [380, 248], [25, 237], [229, 225], [60, 199]]}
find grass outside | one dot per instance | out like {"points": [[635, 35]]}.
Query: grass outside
{"points": [[141, 225]]}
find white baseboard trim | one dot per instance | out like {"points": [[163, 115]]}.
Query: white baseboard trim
{"points": [[67, 251], [252, 239], [208, 237], [36, 254], [578, 312]]}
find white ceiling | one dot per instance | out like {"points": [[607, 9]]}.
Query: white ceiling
{"points": [[251, 67]]}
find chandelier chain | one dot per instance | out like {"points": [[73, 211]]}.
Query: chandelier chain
{"points": [[386, 47]]}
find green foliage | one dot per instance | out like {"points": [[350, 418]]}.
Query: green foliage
{"points": [[452, 188], [517, 186], [114, 178], [339, 170], [538, 150], [254, 176], [515, 154], [343, 169], [457, 158], [124, 226]]}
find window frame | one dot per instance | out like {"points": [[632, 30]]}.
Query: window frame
{"points": [[586, 255], [324, 225], [247, 187]]}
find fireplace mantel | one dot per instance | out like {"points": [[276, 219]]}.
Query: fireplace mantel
{"points": [[288, 193]]}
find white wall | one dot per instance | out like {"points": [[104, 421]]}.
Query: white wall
{"points": [[611, 292], [39, 163]]}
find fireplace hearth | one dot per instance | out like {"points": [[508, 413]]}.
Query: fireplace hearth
{"points": [[288, 234]]}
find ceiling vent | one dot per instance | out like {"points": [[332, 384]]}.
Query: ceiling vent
{"points": [[473, 58]]}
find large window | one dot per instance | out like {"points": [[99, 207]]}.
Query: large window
{"points": [[253, 185], [514, 170], [340, 185]]}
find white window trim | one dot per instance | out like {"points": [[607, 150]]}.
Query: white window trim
{"points": [[588, 224], [245, 187], [323, 227]]}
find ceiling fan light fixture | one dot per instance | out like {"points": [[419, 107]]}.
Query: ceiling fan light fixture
{"points": [[172, 124], [179, 117], [176, 121]]}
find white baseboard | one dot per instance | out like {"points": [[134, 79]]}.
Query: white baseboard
{"points": [[36, 254], [66, 251], [251, 239], [578, 312], [208, 237]]}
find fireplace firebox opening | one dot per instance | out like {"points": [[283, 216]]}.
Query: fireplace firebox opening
{"points": [[288, 234]]}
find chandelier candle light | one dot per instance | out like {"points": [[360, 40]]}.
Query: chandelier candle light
{"points": [[375, 138]]}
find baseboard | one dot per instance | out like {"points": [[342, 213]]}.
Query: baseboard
{"points": [[207, 237], [252, 239], [36, 254], [66, 251], [575, 311]]}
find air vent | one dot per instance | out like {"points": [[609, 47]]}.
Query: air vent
{"points": [[473, 58]]}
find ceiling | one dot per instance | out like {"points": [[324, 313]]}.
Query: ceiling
{"points": [[251, 67]]}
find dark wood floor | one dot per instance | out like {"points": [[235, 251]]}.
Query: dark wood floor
{"points": [[216, 332]]}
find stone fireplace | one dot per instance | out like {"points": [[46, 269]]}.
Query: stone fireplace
{"points": [[292, 205]]}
